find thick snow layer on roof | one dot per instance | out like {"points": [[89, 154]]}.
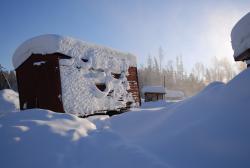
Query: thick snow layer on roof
{"points": [[240, 35], [153, 89], [50, 43]]}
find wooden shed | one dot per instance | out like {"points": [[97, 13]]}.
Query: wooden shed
{"points": [[153, 93], [174, 95], [63, 74]]}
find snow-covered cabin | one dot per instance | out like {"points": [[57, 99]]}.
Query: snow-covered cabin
{"points": [[240, 37], [153, 93], [174, 95], [68, 75]]}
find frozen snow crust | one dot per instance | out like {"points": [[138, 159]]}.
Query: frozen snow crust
{"points": [[51, 43], [240, 35]]}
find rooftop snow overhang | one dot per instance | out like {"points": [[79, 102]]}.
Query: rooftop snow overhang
{"points": [[243, 56], [51, 43], [240, 38]]}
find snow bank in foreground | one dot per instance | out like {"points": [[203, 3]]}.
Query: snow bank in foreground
{"points": [[210, 129], [41, 138], [240, 35], [9, 101]]}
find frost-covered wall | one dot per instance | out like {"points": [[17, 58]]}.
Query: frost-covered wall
{"points": [[80, 75]]}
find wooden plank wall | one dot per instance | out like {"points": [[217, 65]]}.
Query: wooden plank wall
{"points": [[40, 86]]}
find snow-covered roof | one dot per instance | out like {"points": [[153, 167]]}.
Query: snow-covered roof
{"points": [[51, 43], [240, 35], [174, 94], [153, 89]]}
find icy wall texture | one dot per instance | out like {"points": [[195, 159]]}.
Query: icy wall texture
{"points": [[88, 66], [79, 76]]}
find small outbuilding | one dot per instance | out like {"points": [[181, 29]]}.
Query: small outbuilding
{"points": [[174, 95], [240, 37], [153, 93], [63, 74]]}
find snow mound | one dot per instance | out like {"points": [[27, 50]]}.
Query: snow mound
{"points": [[9, 101], [240, 35], [41, 138], [210, 129], [51, 43]]}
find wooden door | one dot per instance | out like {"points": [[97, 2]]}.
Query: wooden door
{"points": [[48, 90]]}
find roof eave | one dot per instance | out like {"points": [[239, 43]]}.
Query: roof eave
{"points": [[243, 56]]}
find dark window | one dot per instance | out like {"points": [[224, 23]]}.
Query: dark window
{"points": [[115, 75], [110, 92], [84, 60], [101, 86], [65, 57]]}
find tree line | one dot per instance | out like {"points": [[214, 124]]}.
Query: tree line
{"points": [[7, 79], [175, 76]]}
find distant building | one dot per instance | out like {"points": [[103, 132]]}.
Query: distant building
{"points": [[153, 93], [174, 95]]}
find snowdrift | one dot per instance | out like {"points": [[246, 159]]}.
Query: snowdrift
{"points": [[210, 129], [8, 101], [41, 138]]}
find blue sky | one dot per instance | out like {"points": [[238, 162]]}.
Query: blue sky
{"points": [[197, 30]]}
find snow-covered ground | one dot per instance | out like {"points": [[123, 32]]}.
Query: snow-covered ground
{"points": [[8, 101], [211, 129]]}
